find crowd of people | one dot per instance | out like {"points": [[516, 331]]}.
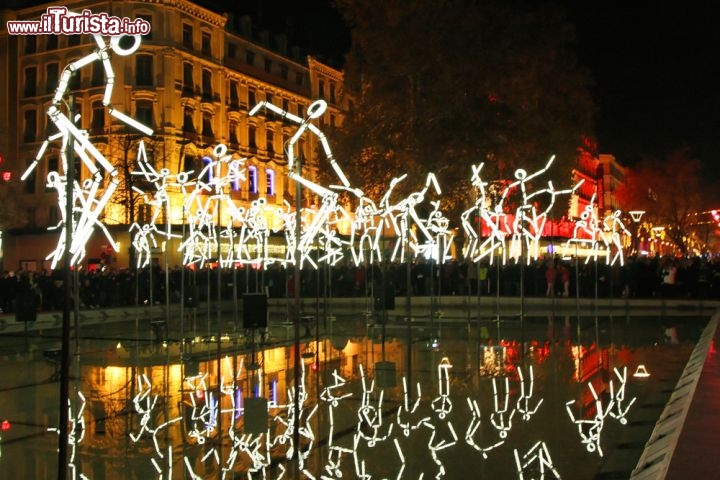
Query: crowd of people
{"points": [[642, 277]]}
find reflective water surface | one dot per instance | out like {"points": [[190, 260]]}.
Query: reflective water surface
{"points": [[482, 399]]}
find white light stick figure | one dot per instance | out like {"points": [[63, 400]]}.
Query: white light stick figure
{"points": [[499, 418], [536, 460], [407, 216], [91, 205], [586, 231], [473, 427], [526, 394], [220, 171], [618, 412], [329, 198], [522, 212], [614, 229], [536, 221], [591, 429]]}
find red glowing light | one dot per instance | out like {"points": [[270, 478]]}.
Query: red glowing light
{"points": [[314, 366], [6, 176], [5, 426]]}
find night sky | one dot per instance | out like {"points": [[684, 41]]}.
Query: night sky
{"points": [[655, 66]]}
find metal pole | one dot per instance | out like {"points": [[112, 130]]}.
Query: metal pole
{"points": [[65, 349], [296, 313]]}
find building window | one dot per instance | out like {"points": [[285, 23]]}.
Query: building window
{"points": [[187, 38], [30, 89], [252, 179], [75, 78], [298, 78], [73, 40], [188, 125], [234, 100], [301, 111], [144, 70], [207, 130], [270, 142], [251, 98], [286, 104], [284, 72], [232, 50], [332, 92], [53, 217], [51, 42], [30, 212], [144, 112], [30, 44], [98, 117], [147, 18], [321, 88], [188, 84], [31, 180], [51, 77], [206, 84], [232, 132], [98, 74], [268, 65], [188, 164], [268, 97], [206, 50], [30, 131], [249, 57], [270, 179], [251, 137]]}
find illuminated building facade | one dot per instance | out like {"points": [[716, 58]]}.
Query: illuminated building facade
{"points": [[192, 81]]}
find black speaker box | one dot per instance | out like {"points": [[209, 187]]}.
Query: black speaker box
{"points": [[254, 310], [255, 413], [26, 307]]}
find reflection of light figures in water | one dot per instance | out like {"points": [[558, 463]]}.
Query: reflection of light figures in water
{"points": [[619, 413], [526, 394], [498, 418], [591, 429], [76, 433], [537, 459], [473, 427]]}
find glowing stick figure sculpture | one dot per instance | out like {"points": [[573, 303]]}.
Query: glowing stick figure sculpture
{"points": [[87, 200], [614, 229], [590, 429], [328, 197], [76, 433], [406, 216], [524, 212], [587, 231], [217, 174], [145, 238]]}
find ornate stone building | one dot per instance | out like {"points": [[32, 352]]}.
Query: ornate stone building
{"points": [[193, 81]]}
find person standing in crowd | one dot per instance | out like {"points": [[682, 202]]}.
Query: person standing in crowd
{"points": [[550, 277]]}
